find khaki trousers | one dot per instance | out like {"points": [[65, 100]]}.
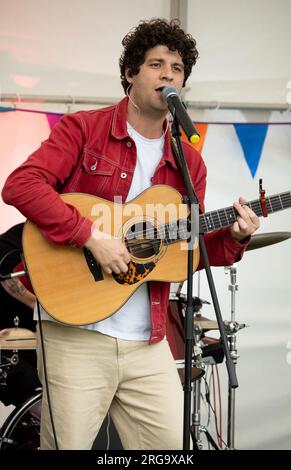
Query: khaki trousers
{"points": [[90, 373]]}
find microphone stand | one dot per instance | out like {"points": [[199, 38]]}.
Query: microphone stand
{"points": [[193, 202]]}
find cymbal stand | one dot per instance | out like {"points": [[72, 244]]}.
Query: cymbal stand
{"points": [[196, 394], [196, 397], [231, 328], [196, 427]]}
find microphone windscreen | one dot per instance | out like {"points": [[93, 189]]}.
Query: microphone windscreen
{"points": [[168, 91]]}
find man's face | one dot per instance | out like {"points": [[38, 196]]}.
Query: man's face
{"points": [[161, 68]]}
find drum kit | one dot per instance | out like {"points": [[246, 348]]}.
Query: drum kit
{"points": [[21, 429], [17, 339], [207, 350]]}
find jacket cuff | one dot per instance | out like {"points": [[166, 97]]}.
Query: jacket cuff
{"points": [[82, 233], [234, 249]]}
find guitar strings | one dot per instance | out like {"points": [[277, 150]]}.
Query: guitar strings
{"points": [[140, 246], [226, 213]]}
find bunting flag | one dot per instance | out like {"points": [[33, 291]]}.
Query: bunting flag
{"points": [[5, 109], [53, 119], [252, 138], [202, 130], [250, 135]]}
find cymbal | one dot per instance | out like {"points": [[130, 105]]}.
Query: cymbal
{"points": [[205, 323], [17, 338], [264, 239]]}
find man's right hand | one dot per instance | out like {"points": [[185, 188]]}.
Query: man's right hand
{"points": [[110, 253]]}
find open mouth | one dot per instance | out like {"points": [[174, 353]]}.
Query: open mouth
{"points": [[160, 89]]}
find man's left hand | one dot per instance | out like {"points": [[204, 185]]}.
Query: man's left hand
{"points": [[247, 221]]}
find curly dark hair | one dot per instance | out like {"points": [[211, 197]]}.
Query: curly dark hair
{"points": [[149, 34]]}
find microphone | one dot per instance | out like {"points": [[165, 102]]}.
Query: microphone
{"points": [[177, 108]]}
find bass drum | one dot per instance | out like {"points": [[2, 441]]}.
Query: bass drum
{"points": [[175, 337], [22, 427], [21, 430]]}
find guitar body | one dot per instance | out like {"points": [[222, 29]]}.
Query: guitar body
{"points": [[61, 277]]}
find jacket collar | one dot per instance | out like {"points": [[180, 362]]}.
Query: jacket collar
{"points": [[119, 130]]}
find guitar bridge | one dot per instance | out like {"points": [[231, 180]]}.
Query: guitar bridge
{"points": [[94, 267]]}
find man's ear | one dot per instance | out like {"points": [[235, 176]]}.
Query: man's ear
{"points": [[128, 75]]}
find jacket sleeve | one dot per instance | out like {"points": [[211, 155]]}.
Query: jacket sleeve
{"points": [[32, 187], [222, 249]]}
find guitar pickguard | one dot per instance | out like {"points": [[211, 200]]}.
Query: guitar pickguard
{"points": [[136, 273]]}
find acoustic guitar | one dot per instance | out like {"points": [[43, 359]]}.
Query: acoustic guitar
{"points": [[72, 287]]}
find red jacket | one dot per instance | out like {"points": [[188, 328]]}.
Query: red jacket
{"points": [[91, 152]]}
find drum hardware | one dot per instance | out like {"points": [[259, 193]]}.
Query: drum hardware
{"points": [[10, 361], [196, 416], [206, 351], [197, 301], [197, 428], [5, 367], [14, 359], [6, 441], [212, 353], [3, 375], [175, 337], [200, 323], [231, 329], [21, 428]]}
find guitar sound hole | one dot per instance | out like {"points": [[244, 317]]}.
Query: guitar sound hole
{"points": [[142, 240]]}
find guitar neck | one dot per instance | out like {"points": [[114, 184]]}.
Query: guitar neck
{"points": [[178, 230], [224, 217]]}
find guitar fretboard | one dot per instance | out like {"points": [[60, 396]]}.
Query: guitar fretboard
{"points": [[227, 216], [180, 230]]}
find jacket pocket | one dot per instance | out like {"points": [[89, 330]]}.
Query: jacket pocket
{"points": [[96, 166], [94, 176]]}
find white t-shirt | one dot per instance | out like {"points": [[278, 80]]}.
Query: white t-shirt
{"points": [[132, 321]]}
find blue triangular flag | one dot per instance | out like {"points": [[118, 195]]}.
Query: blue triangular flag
{"points": [[252, 137], [3, 109]]}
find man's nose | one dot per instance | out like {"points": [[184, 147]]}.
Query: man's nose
{"points": [[167, 73]]}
